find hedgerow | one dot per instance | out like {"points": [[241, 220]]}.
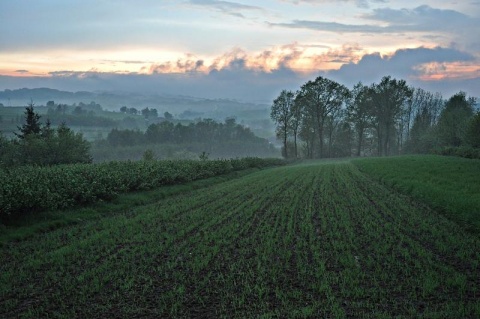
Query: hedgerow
{"points": [[33, 188]]}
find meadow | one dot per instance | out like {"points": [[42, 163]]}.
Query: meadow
{"points": [[314, 240]]}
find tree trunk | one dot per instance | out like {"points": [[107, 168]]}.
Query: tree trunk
{"points": [[360, 141], [295, 142], [386, 142], [379, 141]]}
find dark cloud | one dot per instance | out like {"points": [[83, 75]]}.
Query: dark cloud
{"points": [[226, 7], [421, 19], [233, 81], [21, 71], [358, 3], [401, 64], [180, 66], [331, 26]]}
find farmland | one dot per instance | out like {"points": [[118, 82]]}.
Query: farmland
{"points": [[448, 184], [33, 189], [314, 240]]}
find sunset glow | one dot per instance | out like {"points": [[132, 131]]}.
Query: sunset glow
{"points": [[51, 39]]}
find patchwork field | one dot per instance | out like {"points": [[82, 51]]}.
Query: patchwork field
{"points": [[318, 240]]}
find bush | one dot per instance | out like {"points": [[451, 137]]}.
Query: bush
{"points": [[33, 188], [462, 151]]}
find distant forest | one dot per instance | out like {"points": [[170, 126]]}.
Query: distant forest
{"points": [[324, 119], [47, 140], [169, 140]]}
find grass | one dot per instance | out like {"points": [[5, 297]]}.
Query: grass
{"points": [[319, 240], [449, 184]]}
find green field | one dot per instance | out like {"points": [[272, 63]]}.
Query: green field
{"points": [[450, 185], [315, 240]]}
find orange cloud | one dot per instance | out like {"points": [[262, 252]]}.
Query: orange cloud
{"points": [[294, 56], [436, 71]]}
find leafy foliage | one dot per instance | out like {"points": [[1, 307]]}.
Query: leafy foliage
{"points": [[44, 145], [473, 131], [322, 100], [29, 188], [385, 118], [453, 120], [281, 113]]}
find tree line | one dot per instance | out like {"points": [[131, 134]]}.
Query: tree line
{"points": [[203, 131], [39, 143], [326, 119]]}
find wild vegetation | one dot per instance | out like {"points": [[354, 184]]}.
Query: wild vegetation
{"points": [[40, 144], [122, 137], [322, 239], [32, 189], [168, 140], [325, 119]]}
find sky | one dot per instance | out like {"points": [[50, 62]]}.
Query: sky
{"points": [[239, 49]]}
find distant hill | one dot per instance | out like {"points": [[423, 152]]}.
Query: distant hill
{"points": [[255, 116], [115, 100]]}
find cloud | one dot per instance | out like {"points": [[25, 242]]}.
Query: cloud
{"points": [[260, 76], [180, 66], [358, 3], [420, 19], [332, 26], [226, 7], [21, 71], [409, 64], [301, 58]]}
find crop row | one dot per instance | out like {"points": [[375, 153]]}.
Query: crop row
{"points": [[32, 189], [312, 241], [449, 184]]}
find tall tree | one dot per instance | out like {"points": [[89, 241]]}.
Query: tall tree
{"points": [[72, 147], [454, 118], [425, 108], [281, 113], [296, 121], [32, 123], [359, 113], [322, 98], [333, 120], [388, 98], [473, 131]]}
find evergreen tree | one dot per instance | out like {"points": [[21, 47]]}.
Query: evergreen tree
{"points": [[32, 123]]}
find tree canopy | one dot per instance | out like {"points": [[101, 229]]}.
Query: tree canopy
{"points": [[326, 119]]}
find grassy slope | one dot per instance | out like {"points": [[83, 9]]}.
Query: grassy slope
{"points": [[304, 241], [448, 184]]}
